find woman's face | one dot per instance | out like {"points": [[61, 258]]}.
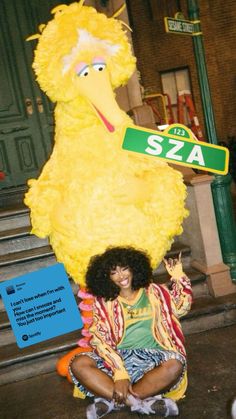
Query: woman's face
{"points": [[122, 277]]}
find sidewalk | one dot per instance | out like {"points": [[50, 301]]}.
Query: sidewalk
{"points": [[212, 382]]}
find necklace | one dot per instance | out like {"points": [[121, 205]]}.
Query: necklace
{"points": [[130, 311], [130, 303]]}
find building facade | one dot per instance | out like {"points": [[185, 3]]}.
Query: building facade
{"points": [[159, 53]]}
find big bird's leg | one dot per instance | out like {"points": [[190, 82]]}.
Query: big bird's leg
{"points": [[87, 316]]}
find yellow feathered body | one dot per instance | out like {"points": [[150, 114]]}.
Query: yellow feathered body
{"points": [[91, 194]]}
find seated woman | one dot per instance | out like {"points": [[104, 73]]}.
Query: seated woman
{"points": [[138, 356]]}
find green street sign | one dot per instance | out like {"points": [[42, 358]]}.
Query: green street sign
{"points": [[177, 145], [179, 26]]}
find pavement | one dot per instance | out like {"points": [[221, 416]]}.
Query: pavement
{"points": [[212, 383]]}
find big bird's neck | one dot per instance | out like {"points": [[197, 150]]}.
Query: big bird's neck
{"points": [[78, 115]]}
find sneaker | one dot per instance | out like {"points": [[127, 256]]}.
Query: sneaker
{"points": [[101, 407], [156, 405]]}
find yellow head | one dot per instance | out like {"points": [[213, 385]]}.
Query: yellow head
{"points": [[79, 34]]}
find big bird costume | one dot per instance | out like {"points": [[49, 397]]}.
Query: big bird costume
{"points": [[91, 194]]}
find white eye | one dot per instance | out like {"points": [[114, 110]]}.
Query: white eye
{"points": [[99, 66], [84, 72]]}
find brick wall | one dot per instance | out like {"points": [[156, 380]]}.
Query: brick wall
{"points": [[157, 51]]}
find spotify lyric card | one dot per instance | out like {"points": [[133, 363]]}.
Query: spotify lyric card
{"points": [[40, 305]]}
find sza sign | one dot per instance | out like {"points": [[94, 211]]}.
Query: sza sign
{"points": [[195, 156], [177, 145]]}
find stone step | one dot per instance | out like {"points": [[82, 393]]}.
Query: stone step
{"points": [[30, 261], [199, 287], [14, 355], [12, 197], [16, 264], [198, 281], [44, 251], [25, 255], [18, 239], [20, 263], [173, 253], [210, 313], [6, 334], [13, 271], [211, 385], [18, 364], [34, 266], [16, 232], [14, 236], [13, 217]]}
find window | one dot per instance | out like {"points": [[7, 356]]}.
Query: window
{"points": [[176, 84]]}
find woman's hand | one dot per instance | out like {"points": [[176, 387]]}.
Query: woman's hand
{"points": [[121, 389], [174, 267]]}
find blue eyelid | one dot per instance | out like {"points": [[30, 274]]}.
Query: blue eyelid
{"points": [[101, 63], [82, 69]]}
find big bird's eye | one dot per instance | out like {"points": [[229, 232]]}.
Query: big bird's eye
{"points": [[99, 66], [84, 72]]}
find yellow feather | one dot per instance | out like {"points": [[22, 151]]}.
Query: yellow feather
{"points": [[41, 27], [31, 37], [119, 11], [81, 4], [126, 25], [91, 193]]}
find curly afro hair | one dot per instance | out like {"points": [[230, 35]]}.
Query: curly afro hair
{"points": [[98, 273]]}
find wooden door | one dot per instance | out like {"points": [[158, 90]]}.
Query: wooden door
{"points": [[26, 115]]}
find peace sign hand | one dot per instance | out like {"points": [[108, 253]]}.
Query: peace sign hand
{"points": [[174, 267]]}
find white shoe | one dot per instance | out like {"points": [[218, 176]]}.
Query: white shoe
{"points": [[101, 407], [156, 405]]}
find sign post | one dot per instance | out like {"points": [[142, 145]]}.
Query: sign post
{"points": [[221, 185], [179, 26], [178, 145]]}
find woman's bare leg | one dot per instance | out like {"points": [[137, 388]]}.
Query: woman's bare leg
{"points": [[88, 374], [158, 380]]}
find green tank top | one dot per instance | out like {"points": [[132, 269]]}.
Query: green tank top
{"points": [[138, 318]]}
